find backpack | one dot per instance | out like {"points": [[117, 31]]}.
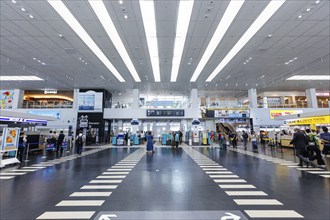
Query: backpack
{"points": [[245, 135], [80, 140]]}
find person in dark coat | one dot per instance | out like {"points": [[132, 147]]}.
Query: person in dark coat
{"points": [[150, 146], [22, 143], [60, 141], [299, 142]]}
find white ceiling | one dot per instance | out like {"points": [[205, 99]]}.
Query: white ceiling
{"points": [[23, 38]]}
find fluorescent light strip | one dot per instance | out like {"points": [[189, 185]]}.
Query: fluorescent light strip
{"points": [[184, 14], [105, 19], [64, 12], [149, 22], [226, 20], [265, 15], [20, 78], [310, 77]]}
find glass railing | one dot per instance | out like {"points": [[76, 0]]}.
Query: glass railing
{"points": [[45, 105], [282, 105], [151, 105]]}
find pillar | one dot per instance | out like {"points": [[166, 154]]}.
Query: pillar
{"points": [[18, 97], [136, 99], [282, 101], [311, 98], [75, 99], [194, 103], [253, 99]]}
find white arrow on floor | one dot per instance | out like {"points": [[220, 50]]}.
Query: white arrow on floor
{"points": [[107, 217], [230, 216]]}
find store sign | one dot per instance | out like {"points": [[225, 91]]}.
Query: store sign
{"points": [[277, 113], [320, 120], [232, 113], [55, 114], [90, 101], [10, 137], [24, 120], [165, 113], [323, 94], [273, 100]]}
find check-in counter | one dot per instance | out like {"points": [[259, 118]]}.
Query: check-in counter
{"points": [[285, 140]]}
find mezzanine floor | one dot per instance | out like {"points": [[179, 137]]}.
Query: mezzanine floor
{"points": [[186, 183]]}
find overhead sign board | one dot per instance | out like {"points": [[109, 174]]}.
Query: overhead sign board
{"points": [[281, 112]]}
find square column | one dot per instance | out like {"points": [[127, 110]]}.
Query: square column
{"points": [[136, 98], [311, 98], [18, 98], [253, 100], [194, 103]]}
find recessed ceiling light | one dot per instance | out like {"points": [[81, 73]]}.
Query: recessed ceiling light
{"points": [[265, 15], [31, 16], [34, 58], [149, 22], [43, 63], [107, 23], [317, 2], [309, 77], [250, 58], [23, 9], [125, 16], [13, 1], [38, 61], [60, 35], [269, 36], [184, 14], [244, 63], [64, 12], [295, 58], [300, 16], [20, 78], [226, 20], [120, 2], [308, 9]]}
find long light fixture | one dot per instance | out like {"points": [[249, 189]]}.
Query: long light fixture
{"points": [[184, 14], [149, 22], [309, 77], [265, 15], [20, 78], [226, 20], [64, 12], [105, 19]]}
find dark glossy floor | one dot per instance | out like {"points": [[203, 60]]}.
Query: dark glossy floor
{"points": [[185, 183]]}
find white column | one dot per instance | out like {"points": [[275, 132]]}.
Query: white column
{"points": [[253, 100], [136, 98], [311, 98], [194, 103], [18, 98], [282, 100], [75, 99]]}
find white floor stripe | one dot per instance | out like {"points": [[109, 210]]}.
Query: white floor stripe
{"points": [[294, 166], [80, 203], [105, 181], [125, 164], [325, 176], [211, 166], [229, 181], [24, 170], [246, 193], [11, 174], [130, 166], [33, 167], [82, 194], [309, 169], [319, 172], [257, 202], [66, 215], [224, 176], [99, 187], [110, 177], [114, 173], [219, 172], [273, 214], [6, 177], [209, 169], [119, 169], [237, 186]]}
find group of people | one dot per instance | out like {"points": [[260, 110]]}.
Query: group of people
{"points": [[56, 140], [307, 146]]}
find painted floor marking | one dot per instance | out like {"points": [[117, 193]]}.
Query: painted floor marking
{"points": [[238, 186], [112, 169], [110, 177], [99, 187], [6, 177], [224, 176], [273, 214], [117, 166], [83, 194], [218, 172], [257, 202], [35, 167], [229, 181], [67, 215], [309, 169], [319, 172], [209, 169], [80, 203], [105, 181], [11, 174], [246, 193], [114, 173], [325, 176], [24, 170]]}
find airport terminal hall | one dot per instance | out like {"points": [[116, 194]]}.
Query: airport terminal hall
{"points": [[165, 109]]}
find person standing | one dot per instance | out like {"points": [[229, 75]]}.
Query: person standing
{"points": [[245, 138], [22, 143], [60, 141], [313, 146], [177, 139], [299, 142], [325, 138], [254, 141], [233, 138], [150, 146], [80, 140]]}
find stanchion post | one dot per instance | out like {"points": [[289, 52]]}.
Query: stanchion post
{"points": [[44, 150], [27, 153]]}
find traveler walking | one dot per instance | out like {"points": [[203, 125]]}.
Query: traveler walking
{"points": [[325, 138], [313, 146], [80, 140], [150, 145], [22, 143], [245, 138], [299, 142], [60, 141], [254, 142]]}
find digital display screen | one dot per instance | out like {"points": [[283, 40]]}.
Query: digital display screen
{"points": [[165, 113]]}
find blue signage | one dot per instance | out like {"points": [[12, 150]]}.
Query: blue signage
{"points": [[55, 114]]}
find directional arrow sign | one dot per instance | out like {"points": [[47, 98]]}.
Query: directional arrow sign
{"points": [[230, 216], [107, 217]]}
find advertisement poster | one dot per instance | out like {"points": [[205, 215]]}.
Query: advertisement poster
{"points": [[7, 98], [90, 101], [10, 138], [232, 113], [277, 113]]}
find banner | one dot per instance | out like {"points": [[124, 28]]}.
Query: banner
{"points": [[7, 99], [321, 120], [276, 113], [90, 101], [10, 137]]}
